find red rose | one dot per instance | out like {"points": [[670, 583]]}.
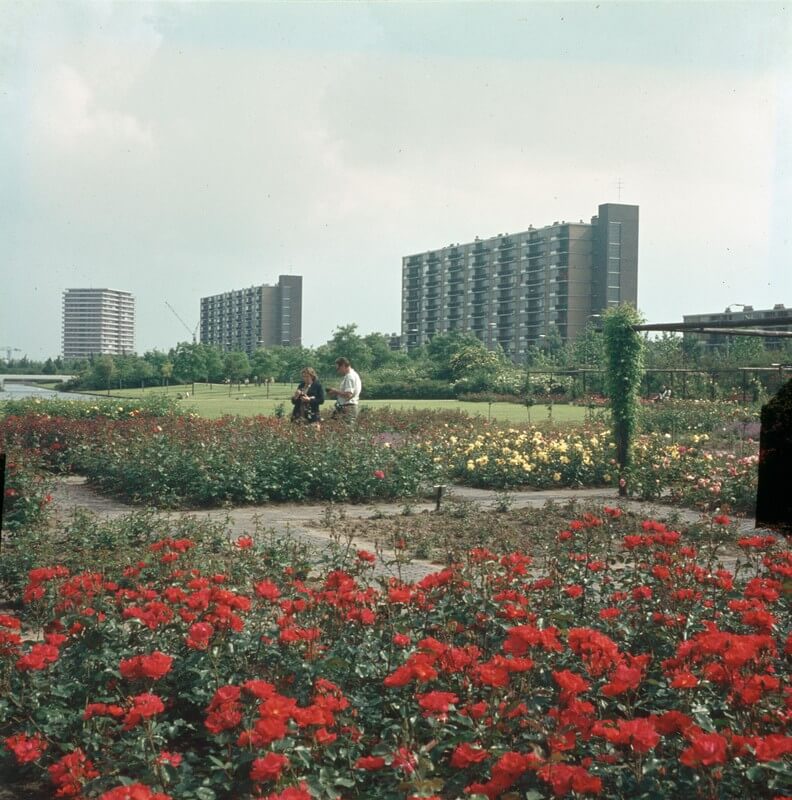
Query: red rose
{"points": [[143, 707], [26, 748], [570, 682], [267, 590], [465, 756], [379, 474], [370, 762], [706, 750], [436, 702], [268, 768], [70, 772], [199, 635], [153, 666], [134, 791], [773, 747]]}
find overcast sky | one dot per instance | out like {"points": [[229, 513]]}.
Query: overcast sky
{"points": [[179, 150]]}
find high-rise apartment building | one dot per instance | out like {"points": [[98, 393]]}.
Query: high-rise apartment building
{"points": [[98, 322], [260, 316], [514, 290]]}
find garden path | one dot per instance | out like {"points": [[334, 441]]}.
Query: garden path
{"points": [[299, 520]]}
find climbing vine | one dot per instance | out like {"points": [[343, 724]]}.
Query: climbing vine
{"points": [[624, 349]]}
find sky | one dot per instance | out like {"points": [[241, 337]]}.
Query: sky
{"points": [[177, 150]]}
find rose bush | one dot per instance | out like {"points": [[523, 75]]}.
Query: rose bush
{"points": [[626, 661], [184, 460], [27, 490]]}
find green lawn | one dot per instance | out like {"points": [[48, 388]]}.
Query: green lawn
{"points": [[217, 402]]}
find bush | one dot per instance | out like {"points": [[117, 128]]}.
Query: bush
{"points": [[623, 664], [416, 390], [695, 416], [27, 491], [187, 461], [117, 408]]}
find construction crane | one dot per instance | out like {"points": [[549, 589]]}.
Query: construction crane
{"points": [[193, 332], [9, 351]]}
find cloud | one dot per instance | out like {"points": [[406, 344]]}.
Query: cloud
{"points": [[68, 117], [172, 164]]}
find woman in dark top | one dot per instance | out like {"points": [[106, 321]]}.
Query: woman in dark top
{"points": [[308, 397]]}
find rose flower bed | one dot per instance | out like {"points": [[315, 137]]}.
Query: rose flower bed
{"points": [[628, 665], [177, 461]]}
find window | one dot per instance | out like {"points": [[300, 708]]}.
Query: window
{"points": [[613, 294]]}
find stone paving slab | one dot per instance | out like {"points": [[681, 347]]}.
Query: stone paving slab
{"points": [[299, 520]]}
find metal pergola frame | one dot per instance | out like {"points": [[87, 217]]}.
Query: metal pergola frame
{"points": [[738, 327]]}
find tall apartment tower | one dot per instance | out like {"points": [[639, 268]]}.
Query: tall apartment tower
{"points": [[98, 322], [261, 316], [516, 289]]}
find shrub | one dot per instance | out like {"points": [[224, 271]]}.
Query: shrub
{"points": [[625, 665], [415, 390], [27, 491]]}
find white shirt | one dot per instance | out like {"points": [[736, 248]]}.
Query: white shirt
{"points": [[350, 383]]}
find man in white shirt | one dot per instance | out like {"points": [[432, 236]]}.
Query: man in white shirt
{"points": [[347, 395]]}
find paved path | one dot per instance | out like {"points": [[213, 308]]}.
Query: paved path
{"points": [[299, 520]]}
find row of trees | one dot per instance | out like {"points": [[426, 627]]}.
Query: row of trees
{"points": [[455, 359]]}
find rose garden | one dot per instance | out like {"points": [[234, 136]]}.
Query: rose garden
{"points": [[583, 650]]}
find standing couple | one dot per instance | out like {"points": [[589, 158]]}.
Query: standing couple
{"points": [[310, 395]]}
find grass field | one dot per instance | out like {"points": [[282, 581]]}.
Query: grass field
{"points": [[250, 400]]}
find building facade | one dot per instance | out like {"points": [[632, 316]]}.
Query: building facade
{"points": [[715, 340], [515, 290], [98, 322], [260, 316]]}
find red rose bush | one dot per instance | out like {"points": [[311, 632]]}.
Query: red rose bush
{"points": [[230, 670]]}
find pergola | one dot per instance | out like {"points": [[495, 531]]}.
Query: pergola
{"points": [[740, 327]]}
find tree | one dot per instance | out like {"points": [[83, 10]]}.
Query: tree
{"points": [[189, 362], [166, 370], [125, 366], [347, 343], [474, 357], [444, 347], [588, 350], [141, 371], [236, 366], [748, 351], [380, 349], [265, 363], [49, 367], [213, 359], [665, 351], [293, 359], [104, 369]]}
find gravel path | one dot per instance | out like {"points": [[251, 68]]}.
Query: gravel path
{"points": [[299, 520]]}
